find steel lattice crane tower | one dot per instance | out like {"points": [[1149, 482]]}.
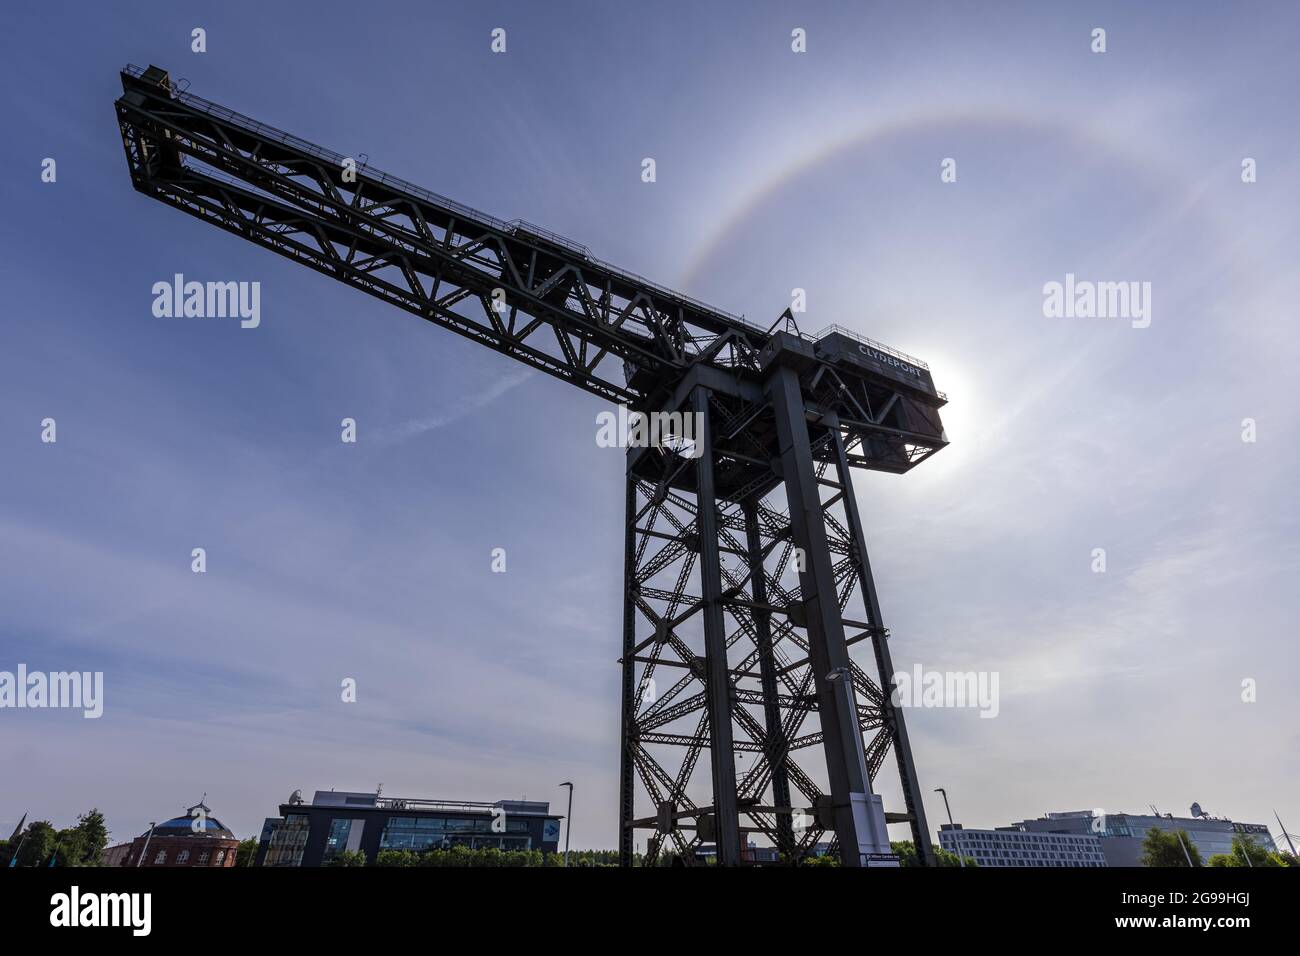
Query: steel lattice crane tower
{"points": [[727, 663]]}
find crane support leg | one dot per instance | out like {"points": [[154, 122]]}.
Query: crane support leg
{"points": [[718, 689], [893, 716], [626, 767], [705, 553], [846, 766]]}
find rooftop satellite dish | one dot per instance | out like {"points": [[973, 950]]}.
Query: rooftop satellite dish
{"points": [[1197, 811], [295, 798]]}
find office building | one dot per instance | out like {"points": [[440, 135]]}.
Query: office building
{"points": [[315, 833], [1010, 847], [1121, 834]]}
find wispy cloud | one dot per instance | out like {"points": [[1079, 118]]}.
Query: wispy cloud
{"points": [[404, 431]]}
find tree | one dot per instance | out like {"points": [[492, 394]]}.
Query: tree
{"points": [[397, 858], [88, 839], [946, 858], [1246, 852], [590, 858], [246, 852], [37, 843], [69, 847], [459, 856], [824, 860], [349, 858], [40, 843], [905, 850], [1163, 848]]}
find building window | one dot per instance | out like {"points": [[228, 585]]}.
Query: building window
{"points": [[221, 857], [337, 842], [467, 824], [183, 856], [431, 833], [288, 840], [161, 858], [203, 858], [408, 833]]}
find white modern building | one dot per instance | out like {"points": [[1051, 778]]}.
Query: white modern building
{"points": [[1014, 847], [1122, 834]]}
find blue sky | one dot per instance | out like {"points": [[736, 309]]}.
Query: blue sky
{"points": [[775, 171]]}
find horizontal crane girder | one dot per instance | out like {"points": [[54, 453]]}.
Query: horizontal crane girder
{"points": [[555, 307]]}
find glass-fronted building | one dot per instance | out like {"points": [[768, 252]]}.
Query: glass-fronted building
{"points": [[315, 833]]}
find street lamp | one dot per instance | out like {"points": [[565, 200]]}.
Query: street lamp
{"points": [[568, 822], [961, 860]]}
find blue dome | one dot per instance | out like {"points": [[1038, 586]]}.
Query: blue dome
{"points": [[198, 821]]}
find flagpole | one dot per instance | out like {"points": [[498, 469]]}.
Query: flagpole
{"points": [[13, 860], [145, 849], [1284, 833]]}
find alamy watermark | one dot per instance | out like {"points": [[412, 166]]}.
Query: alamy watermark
{"points": [[679, 432], [127, 910], [65, 689], [208, 300], [922, 688], [1085, 299]]}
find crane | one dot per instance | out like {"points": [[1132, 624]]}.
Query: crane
{"points": [[747, 584]]}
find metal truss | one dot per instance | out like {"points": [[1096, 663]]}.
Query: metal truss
{"points": [[737, 610], [556, 308], [747, 583]]}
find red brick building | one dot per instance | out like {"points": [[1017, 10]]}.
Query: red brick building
{"points": [[116, 855], [195, 839]]}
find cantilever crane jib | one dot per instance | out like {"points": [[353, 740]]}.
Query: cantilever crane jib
{"points": [[592, 324]]}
